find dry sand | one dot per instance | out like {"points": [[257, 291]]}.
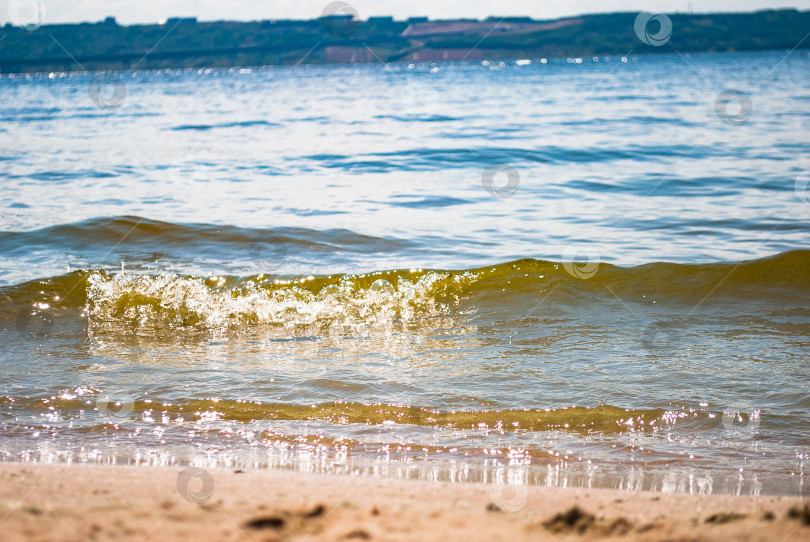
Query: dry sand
{"points": [[83, 502]]}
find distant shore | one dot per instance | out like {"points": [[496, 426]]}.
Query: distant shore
{"points": [[89, 502], [32, 46]]}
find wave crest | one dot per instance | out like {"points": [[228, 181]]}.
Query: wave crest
{"points": [[385, 300]]}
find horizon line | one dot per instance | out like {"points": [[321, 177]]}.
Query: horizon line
{"points": [[191, 19]]}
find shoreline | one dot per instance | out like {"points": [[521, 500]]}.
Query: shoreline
{"points": [[97, 502], [195, 44]]}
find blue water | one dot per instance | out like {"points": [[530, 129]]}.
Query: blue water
{"points": [[629, 160], [209, 236]]}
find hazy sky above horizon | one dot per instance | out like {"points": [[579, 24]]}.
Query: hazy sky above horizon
{"points": [[150, 11]]}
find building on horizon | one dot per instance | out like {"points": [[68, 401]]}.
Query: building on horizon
{"points": [[386, 19], [181, 20]]}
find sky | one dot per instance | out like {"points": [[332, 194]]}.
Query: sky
{"points": [[152, 11]]}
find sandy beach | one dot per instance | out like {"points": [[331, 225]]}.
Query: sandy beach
{"points": [[83, 502]]}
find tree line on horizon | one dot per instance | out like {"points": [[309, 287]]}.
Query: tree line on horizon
{"points": [[186, 43]]}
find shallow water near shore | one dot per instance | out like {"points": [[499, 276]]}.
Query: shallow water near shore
{"points": [[558, 274]]}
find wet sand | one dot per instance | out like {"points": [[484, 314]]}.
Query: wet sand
{"points": [[89, 502]]}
